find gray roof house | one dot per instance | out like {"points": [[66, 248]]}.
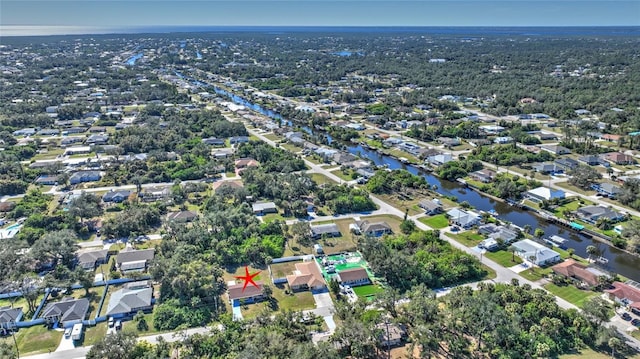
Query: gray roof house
{"points": [[134, 260], [496, 232], [116, 196], [592, 214], [609, 189], [464, 218], [555, 149], [25, 132], [432, 206], [567, 163], [547, 167], [261, 208], [85, 176], [212, 141], [89, 260], [182, 216], [592, 160], [330, 230], [134, 297], [238, 139], [9, 316], [375, 229], [530, 250], [67, 310]]}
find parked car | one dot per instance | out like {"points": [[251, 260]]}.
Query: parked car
{"points": [[636, 322], [118, 325], [625, 316], [67, 332], [110, 322]]}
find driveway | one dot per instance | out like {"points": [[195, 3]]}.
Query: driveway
{"points": [[65, 343], [323, 300]]}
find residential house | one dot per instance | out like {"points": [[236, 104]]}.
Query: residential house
{"points": [[464, 218], [497, 232], [592, 160], [238, 140], [71, 140], [546, 136], [502, 140], [608, 189], [116, 196], [483, 175], [152, 194], [212, 141], [344, 157], [578, 271], [97, 139], [48, 132], [249, 294], [74, 130], [375, 229], [243, 163], [618, 158], [262, 208], [131, 260], [47, 180], [439, 160], [307, 276], [353, 277], [625, 294], [492, 129], [77, 150], [134, 297], [221, 185], [431, 207], [544, 194], [85, 176], [391, 334], [448, 141], [91, 259], [9, 317], [67, 312], [548, 168], [7, 206], [489, 244], [98, 129], [567, 163], [555, 149], [329, 230], [25, 132], [611, 138], [592, 214], [540, 255], [182, 216]]}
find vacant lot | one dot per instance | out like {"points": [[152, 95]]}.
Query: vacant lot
{"points": [[469, 239], [368, 291], [436, 222], [280, 270], [570, 293], [504, 258], [37, 339], [321, 179]]}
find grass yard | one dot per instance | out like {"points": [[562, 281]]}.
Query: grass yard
{"points": [[321, 179], [281, 270], [131, 326], [438, 221], [402, 202], [570, 293], [491, 274], [345, 176], [38, 339], [399, 153], [566, 185], [534, 274], [290, 147], [504, 258], [93, 334], [267, 218], [589, 353], [469, 239], [314, 159], [228, 275], [272, 137], [368, 291], [297, 301]]}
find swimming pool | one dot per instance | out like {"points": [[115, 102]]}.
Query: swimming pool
{"points": [[14, 226]]}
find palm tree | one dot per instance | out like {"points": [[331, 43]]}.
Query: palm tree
{"points": [[591, 250], [527, 228]]}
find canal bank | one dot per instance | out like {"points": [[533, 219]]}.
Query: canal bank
{"points": [[619, 261]]}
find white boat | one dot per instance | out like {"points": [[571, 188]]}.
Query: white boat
{"points": [[557, 240], [602, 260]]}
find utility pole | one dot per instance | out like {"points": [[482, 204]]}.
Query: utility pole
{"points": [[15, 342], [386, 322]]}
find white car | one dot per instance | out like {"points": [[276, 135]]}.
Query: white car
{"points": [[67, 333]]}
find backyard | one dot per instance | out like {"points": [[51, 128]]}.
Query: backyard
{"points": [[368, 291], [281, 270], [468, 238], [37, 339], [504, 258]]}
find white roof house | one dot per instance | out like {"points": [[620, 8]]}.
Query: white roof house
{"points": [[528, 249], [464, 218], [544, 193]]}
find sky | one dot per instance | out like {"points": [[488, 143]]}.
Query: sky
{"points": [[77, 16]]}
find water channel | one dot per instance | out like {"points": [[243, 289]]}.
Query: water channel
{"points": [[619, 261]]}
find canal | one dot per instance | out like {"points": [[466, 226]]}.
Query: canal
{"points": [[619, 261]]}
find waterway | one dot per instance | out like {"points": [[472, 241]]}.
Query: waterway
{"points": [[619, 261], [132, 60]]}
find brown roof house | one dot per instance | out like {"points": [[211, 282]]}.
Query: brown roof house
{"points": [[577, 271], [618, 158], [354, 277], [625, 294], [250, 294], [243, 163], [307, 276]]}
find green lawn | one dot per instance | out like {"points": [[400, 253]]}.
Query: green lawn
{"points": [[404, 201], [297, 301], [504, 258], [589, 353], [267, 218], [469, 239], [131, 326], [38, 339], [281, 270], [570, 293], [321, 179], [534, 274], [366, 291], [436, 222], [93, 334], [344, 176]]}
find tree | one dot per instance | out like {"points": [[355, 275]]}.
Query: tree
{"points": [[56, 247], [85, 278], [527, 228], [604, 223], [301, 231], [538, 233], [334, 286], [87, 205], [118, 345], [7, 351], [596, 309], [584, 176], [592, 251], [571, 252], [142, 324], [408, 226], [614, 344]]}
